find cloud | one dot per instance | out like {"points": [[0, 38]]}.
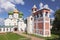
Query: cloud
{"points": [[17, 2], [45, 6], [53, 0], [8, 5], [1, 21], [52, 11]]}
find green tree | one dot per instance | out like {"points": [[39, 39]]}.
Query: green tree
{"points": [[56, 23]]}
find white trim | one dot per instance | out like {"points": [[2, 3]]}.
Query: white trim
{"points": [[44, 23]]}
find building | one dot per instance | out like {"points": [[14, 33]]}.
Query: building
{"points": [[39, 22], [14, 22]]}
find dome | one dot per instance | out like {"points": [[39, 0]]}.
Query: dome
{"points": [[20, 14], [10, 13], [34, 6], [15, 11]]}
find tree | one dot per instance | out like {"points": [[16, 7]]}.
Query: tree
{"points": [[56, 22]]}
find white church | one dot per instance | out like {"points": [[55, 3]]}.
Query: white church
{"points": [[14, 22]]}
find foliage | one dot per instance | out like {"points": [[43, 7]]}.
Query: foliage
{"points": [[56, 23]]}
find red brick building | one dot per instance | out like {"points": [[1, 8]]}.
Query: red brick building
{"points": [[41, 21]]}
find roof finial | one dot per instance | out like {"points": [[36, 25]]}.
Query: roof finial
{"points": [[34, 6], [15, 10]]}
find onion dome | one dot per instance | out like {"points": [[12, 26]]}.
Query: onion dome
{"points": [[10, 13], [34, 6], [20, 15], [15, 11]]}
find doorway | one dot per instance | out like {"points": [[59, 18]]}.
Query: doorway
{"points": [[15, 29]]}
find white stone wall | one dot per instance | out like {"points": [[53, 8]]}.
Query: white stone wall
{"points": [[7, 22], [15, 15], [21, 25], [6, 30], [10, 16], [10, 22], [30, 25]]}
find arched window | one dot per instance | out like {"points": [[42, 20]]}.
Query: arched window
{"points": [[31, 18], [46, 14], [37, 15], [0, 29], [41, 14]]}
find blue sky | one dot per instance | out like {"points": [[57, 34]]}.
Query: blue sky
{"points": [[25, 6]]}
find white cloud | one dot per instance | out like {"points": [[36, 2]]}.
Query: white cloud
{"points": [[8, 5], [17, 1], [53, 0], [1, 21], [52, 11], [45, 6]]}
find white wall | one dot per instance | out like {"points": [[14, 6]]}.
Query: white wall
{"points": [[15, 15], [30, 25]]}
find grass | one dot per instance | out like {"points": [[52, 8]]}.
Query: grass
{"points": [[12, 36], [53, 36]]}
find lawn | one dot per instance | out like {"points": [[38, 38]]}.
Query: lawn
{"points": [[12, 36], [53, 36]]}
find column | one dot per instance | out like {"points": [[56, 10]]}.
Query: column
{"points": [[44, 24], [1, 29], [5, 29], [8, 29]]}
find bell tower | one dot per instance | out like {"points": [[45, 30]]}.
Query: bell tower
{"points": [[42, 22], [46, 22]]}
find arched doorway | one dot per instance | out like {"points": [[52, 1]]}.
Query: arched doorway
{"points": [[15, 29]]}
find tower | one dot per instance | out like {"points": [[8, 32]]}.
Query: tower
{"points": [[21, 16], [30, 24], [15, 13], [42, 22], [46, 22], [34, 9], [10, 14]]}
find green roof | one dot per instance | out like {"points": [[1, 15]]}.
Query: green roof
{"points": [[10, 13], [20, 14]]}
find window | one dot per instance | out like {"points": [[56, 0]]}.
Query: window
{"points": [[0, 29], [34, 17], [41, 14], [31, 18], [46, 14], [37, 15], [35, 9]]}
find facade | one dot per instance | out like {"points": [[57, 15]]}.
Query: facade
{"points": [[39, 22], [14, 22]]}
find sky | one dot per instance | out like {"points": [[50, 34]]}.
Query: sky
{"points": [[25, 6]]}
